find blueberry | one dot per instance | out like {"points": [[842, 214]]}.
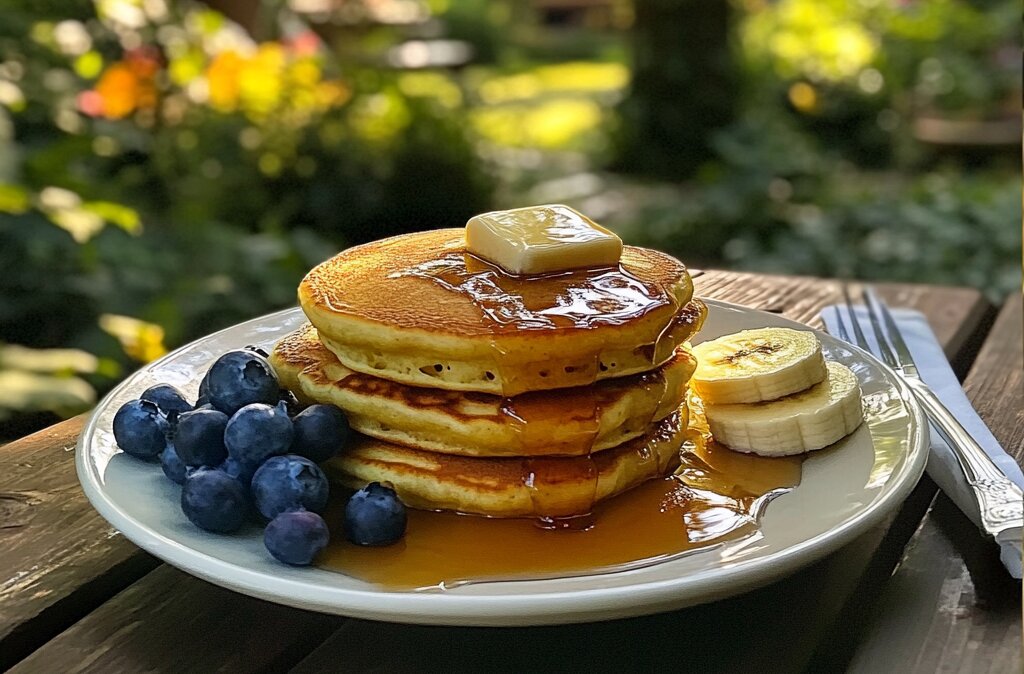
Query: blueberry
{"points": [[140, 429], [174, 467], [291, 402], [240, 378], [257, 349], [214, 501], [204, 391], [320, 432], [199, 437], [289, 482], [167, 398], [295, 537], [241, 471], [257, 431], [374, 516]]}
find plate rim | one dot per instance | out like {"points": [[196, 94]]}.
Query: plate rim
{"points": [[535, 608]]}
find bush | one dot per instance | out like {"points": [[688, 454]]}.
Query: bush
{"points": [[154, 194], [774, 202]]}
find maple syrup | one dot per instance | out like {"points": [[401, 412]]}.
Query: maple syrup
{"points": [[575, 299], [716, 495], [582, 298]]}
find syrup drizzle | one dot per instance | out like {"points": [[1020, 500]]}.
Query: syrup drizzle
{"points": [[575, 299], [585, 298], [715, 496]]}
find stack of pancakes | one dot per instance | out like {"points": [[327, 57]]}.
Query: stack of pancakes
{"points": [[480, 392]]}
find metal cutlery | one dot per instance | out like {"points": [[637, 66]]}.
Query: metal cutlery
{"points": [[1000, 501]]}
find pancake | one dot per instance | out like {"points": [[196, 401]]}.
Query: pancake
{"points": [[417, 309], [567, 422], [511, 487]]}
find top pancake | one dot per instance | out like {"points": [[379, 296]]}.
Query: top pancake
{"points": [[418, 309]]}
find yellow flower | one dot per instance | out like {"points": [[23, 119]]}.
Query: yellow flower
{"points": [[260, 80]]}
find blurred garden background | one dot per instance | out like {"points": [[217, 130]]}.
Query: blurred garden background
{"points": [[171, 168]]}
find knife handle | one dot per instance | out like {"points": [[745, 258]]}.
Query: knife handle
{"points": [[1000, 500]]}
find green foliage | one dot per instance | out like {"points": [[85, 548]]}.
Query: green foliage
{"points": [[858, 74], [153, 221], [774, 202], [135, 217]]}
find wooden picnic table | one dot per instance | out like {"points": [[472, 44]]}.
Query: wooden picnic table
{"points": [[923, 591]]}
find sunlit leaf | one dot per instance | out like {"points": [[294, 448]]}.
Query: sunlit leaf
{"points": [[142, 341], [79, 223], [108, 367], [32, 392], [13, 199], [562, 78], [124, 217], [819, 39], [380, 117], [16, 357], [11, 96], [209, 21], [553, 124], [89, 64]]}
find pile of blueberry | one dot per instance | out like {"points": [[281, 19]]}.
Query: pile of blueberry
{"points": [[247, 449]]}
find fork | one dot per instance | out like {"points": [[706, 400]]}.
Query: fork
{"points": [[1000, 501]]}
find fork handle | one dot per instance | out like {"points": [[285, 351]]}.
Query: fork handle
{"points": [[1000, 500]]}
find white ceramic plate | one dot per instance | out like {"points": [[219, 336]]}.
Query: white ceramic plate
{"points": [[844, 491]]}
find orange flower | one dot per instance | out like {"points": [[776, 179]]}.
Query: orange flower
{"points": [[222, 77], [128, 85], [118, 90]]}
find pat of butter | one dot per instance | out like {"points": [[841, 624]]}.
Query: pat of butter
{"points": [[541, 239]]}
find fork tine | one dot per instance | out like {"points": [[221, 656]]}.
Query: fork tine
{"points": [[840, 322], [841, 328], [874, 313], [903, 355], [862, 341]]}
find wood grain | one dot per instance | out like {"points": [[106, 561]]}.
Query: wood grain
{"points": [[58, 558], [951, 606], [154, 605], [171, 622], [960, 317]]}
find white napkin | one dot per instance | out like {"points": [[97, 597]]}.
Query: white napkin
{"points": [[942, 463]]}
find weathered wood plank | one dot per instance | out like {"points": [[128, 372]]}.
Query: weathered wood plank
{"points": [[171, 622], [777, 628], [58, 558], [959, 316], [959, 313], [951, 606]]}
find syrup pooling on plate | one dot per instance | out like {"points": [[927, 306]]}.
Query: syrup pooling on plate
{"points": [[715, 496]]}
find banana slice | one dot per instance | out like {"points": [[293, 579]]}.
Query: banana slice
{"points": [[756, 365], [799, 423]]}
